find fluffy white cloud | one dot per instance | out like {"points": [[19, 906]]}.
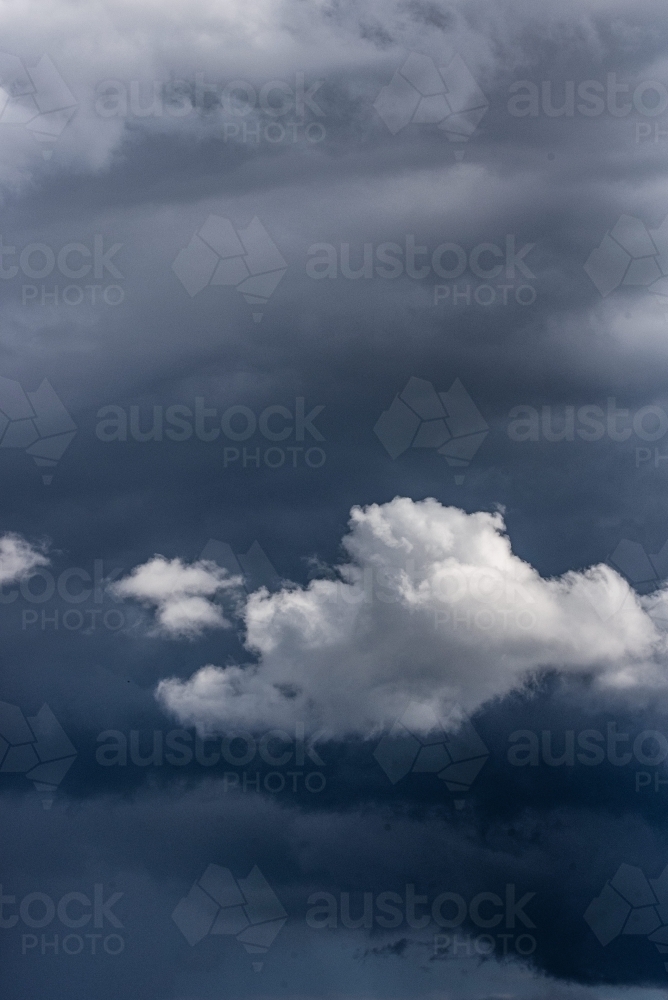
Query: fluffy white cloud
{"points": [[181, 595], [431, 606], [18, 558]]}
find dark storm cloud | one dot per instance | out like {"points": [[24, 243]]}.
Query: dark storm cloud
{"points": [[149, 183], [547, 871]]}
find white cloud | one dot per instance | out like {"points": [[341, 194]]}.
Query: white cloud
{"points": [[433, 607], [181, 595], [18, 558]]}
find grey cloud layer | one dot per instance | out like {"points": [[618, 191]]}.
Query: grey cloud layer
{"points": [[149, 182]]}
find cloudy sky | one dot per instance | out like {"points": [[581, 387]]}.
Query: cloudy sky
{"points": [[333, 539]]}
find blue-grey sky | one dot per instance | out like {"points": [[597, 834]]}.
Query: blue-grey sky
{"points": [[333, 539]]}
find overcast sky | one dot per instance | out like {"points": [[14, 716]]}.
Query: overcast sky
{"points": [[333, 538]]}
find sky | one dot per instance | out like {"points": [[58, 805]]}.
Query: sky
{"points": [[333, 539]]}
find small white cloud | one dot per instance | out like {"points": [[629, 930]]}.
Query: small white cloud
{"points": [[183, 596], [18, 558], [433, 607]]}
